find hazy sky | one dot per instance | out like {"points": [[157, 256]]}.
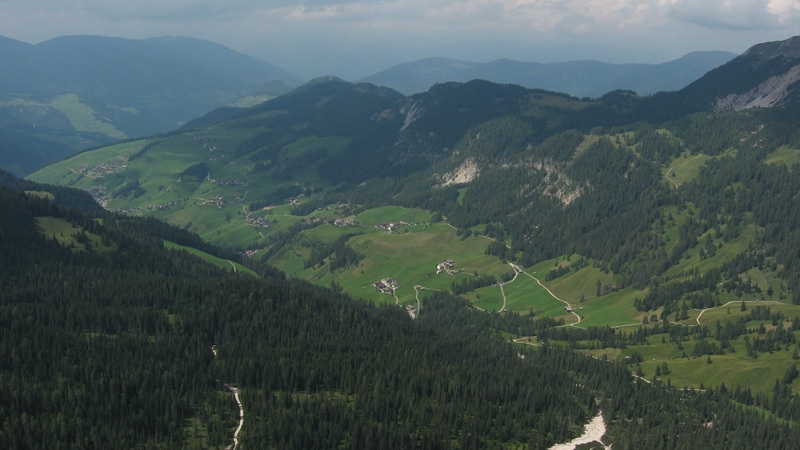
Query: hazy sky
{"points": [[355, 38]]}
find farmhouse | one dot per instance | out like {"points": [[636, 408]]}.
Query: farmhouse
{"points": [[446, 266], [379, 285], [345, 223], [386, 285]]}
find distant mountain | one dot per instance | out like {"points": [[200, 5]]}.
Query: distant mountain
{"points": [[83, 91], [578, 78]]}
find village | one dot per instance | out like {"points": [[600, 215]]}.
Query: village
{"points": [[100, 169], [216, 200], [258, 222]]}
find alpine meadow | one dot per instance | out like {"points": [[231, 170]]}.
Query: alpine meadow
{"points": [[479, 265]]}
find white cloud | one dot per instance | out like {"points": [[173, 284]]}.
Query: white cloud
{"points": [[736, 14]]}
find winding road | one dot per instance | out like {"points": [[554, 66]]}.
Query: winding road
{"points": [[241, 418], [735, 302], [666, 175], [517, 271], [520, 270], [235, 392]]}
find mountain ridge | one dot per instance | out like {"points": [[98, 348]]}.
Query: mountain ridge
{"points": [[583, 78], [75, 90]]}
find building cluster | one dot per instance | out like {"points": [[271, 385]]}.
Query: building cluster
{"points": [[227, 182], [386, 285], [260, 222], [250, 253], [163, 206], [206, 140], [218, 200], [346, 223], [100, 169], [446, 266], [391, 226]]}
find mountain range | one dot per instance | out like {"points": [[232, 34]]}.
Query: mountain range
{"points": [[76, 92], [577, 78]]}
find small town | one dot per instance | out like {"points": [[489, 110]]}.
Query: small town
{"points": [[100, 169]]}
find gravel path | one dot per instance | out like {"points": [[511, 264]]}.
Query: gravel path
{"points": [[592, 433]]}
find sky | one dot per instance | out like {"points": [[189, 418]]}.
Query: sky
{"points": [[356, 38]]}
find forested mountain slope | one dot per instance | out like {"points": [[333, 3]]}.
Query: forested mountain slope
{"points": [[107, 341]]}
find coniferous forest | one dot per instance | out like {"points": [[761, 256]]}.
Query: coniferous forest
{"points": [[110, 345]]}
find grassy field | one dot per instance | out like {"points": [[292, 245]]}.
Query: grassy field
{"points": [[219, 262], [684, 168], [786, 156], [66, 233], [83, 117]]}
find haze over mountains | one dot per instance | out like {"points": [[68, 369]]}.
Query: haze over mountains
{"points": [[578, 78], [75, 92]]}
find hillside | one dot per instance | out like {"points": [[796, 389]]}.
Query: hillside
{"points": [[577, 78], [81, 91], [139, 346]]}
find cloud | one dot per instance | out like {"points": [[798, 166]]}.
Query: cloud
{"points": [[736, 14]]}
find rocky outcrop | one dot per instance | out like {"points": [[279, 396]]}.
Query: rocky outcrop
{"points": [[772, 92]]}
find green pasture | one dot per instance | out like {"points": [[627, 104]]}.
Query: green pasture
{"points": [[576, 284], [64, 232], [328, 233], [684, 168], [219, 262], [486, 298], [385, 214], [80, 115], [41, 194], [732, 369], [83, 117], [409, 255], [784, 156], [524, 294], [673, 220], [731, 310], [614, 309]]}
